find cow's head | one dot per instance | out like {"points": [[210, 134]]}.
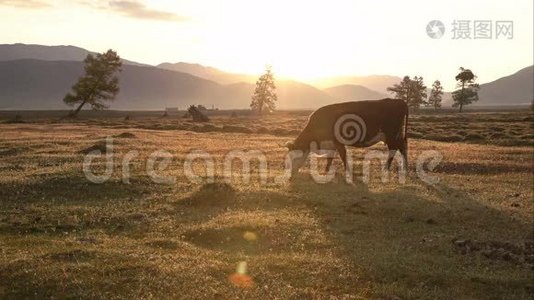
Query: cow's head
{"points": [[296, 157]]}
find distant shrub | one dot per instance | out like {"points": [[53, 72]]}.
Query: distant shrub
{"points": [[197, 113]]}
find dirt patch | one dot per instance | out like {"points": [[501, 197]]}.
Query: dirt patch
{"points": [[212, 194], [72, 256], [126, 135], [521, 254], [102, 147]]}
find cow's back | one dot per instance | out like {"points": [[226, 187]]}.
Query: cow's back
{"points": [[376, 115]]}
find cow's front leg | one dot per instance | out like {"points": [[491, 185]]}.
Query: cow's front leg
{"points": [[347, 163]]}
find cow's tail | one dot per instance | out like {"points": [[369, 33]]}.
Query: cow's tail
{"points": [[405, 154], [406, 128]]}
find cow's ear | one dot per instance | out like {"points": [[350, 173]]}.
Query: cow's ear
{"points": [[290, 145]]}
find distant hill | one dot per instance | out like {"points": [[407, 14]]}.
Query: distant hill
{"points": [[377, 83], [39, 84], [291, 95], [37, 77], [301, 95], [352, 92], [49, 53], [514, 89], [208, 73]]}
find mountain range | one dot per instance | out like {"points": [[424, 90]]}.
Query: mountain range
{"points": [[51, 53], [38, 77], [517, 88]]}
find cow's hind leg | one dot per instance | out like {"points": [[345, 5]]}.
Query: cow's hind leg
{"points": [[404, 151], [395, 143], [391, 155]]}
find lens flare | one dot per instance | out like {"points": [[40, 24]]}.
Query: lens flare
{"points": [[241, 268], [250, 236], [240, 278]]}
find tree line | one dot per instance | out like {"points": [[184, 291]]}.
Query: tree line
{"points": [[100, 84], [414, 91]]}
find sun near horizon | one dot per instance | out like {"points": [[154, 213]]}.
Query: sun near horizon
{"points": [[302, 40]]}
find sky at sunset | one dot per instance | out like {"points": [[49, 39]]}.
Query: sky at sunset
{"points": [[303, 40]]}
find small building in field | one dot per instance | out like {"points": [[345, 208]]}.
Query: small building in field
{"points": [[171, 109]]}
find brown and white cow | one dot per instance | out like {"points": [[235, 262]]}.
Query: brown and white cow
{"points": [[357, 124]]}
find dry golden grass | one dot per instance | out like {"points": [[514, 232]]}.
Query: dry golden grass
{"points": [[64, 237]]}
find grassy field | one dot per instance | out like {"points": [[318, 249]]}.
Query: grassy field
{"points": [[506, 128], [470, 236]]}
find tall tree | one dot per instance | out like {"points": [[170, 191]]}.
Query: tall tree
{"points": [[436, 95], [467, 91], [412, 91], [264, 97], [99, 84]]}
